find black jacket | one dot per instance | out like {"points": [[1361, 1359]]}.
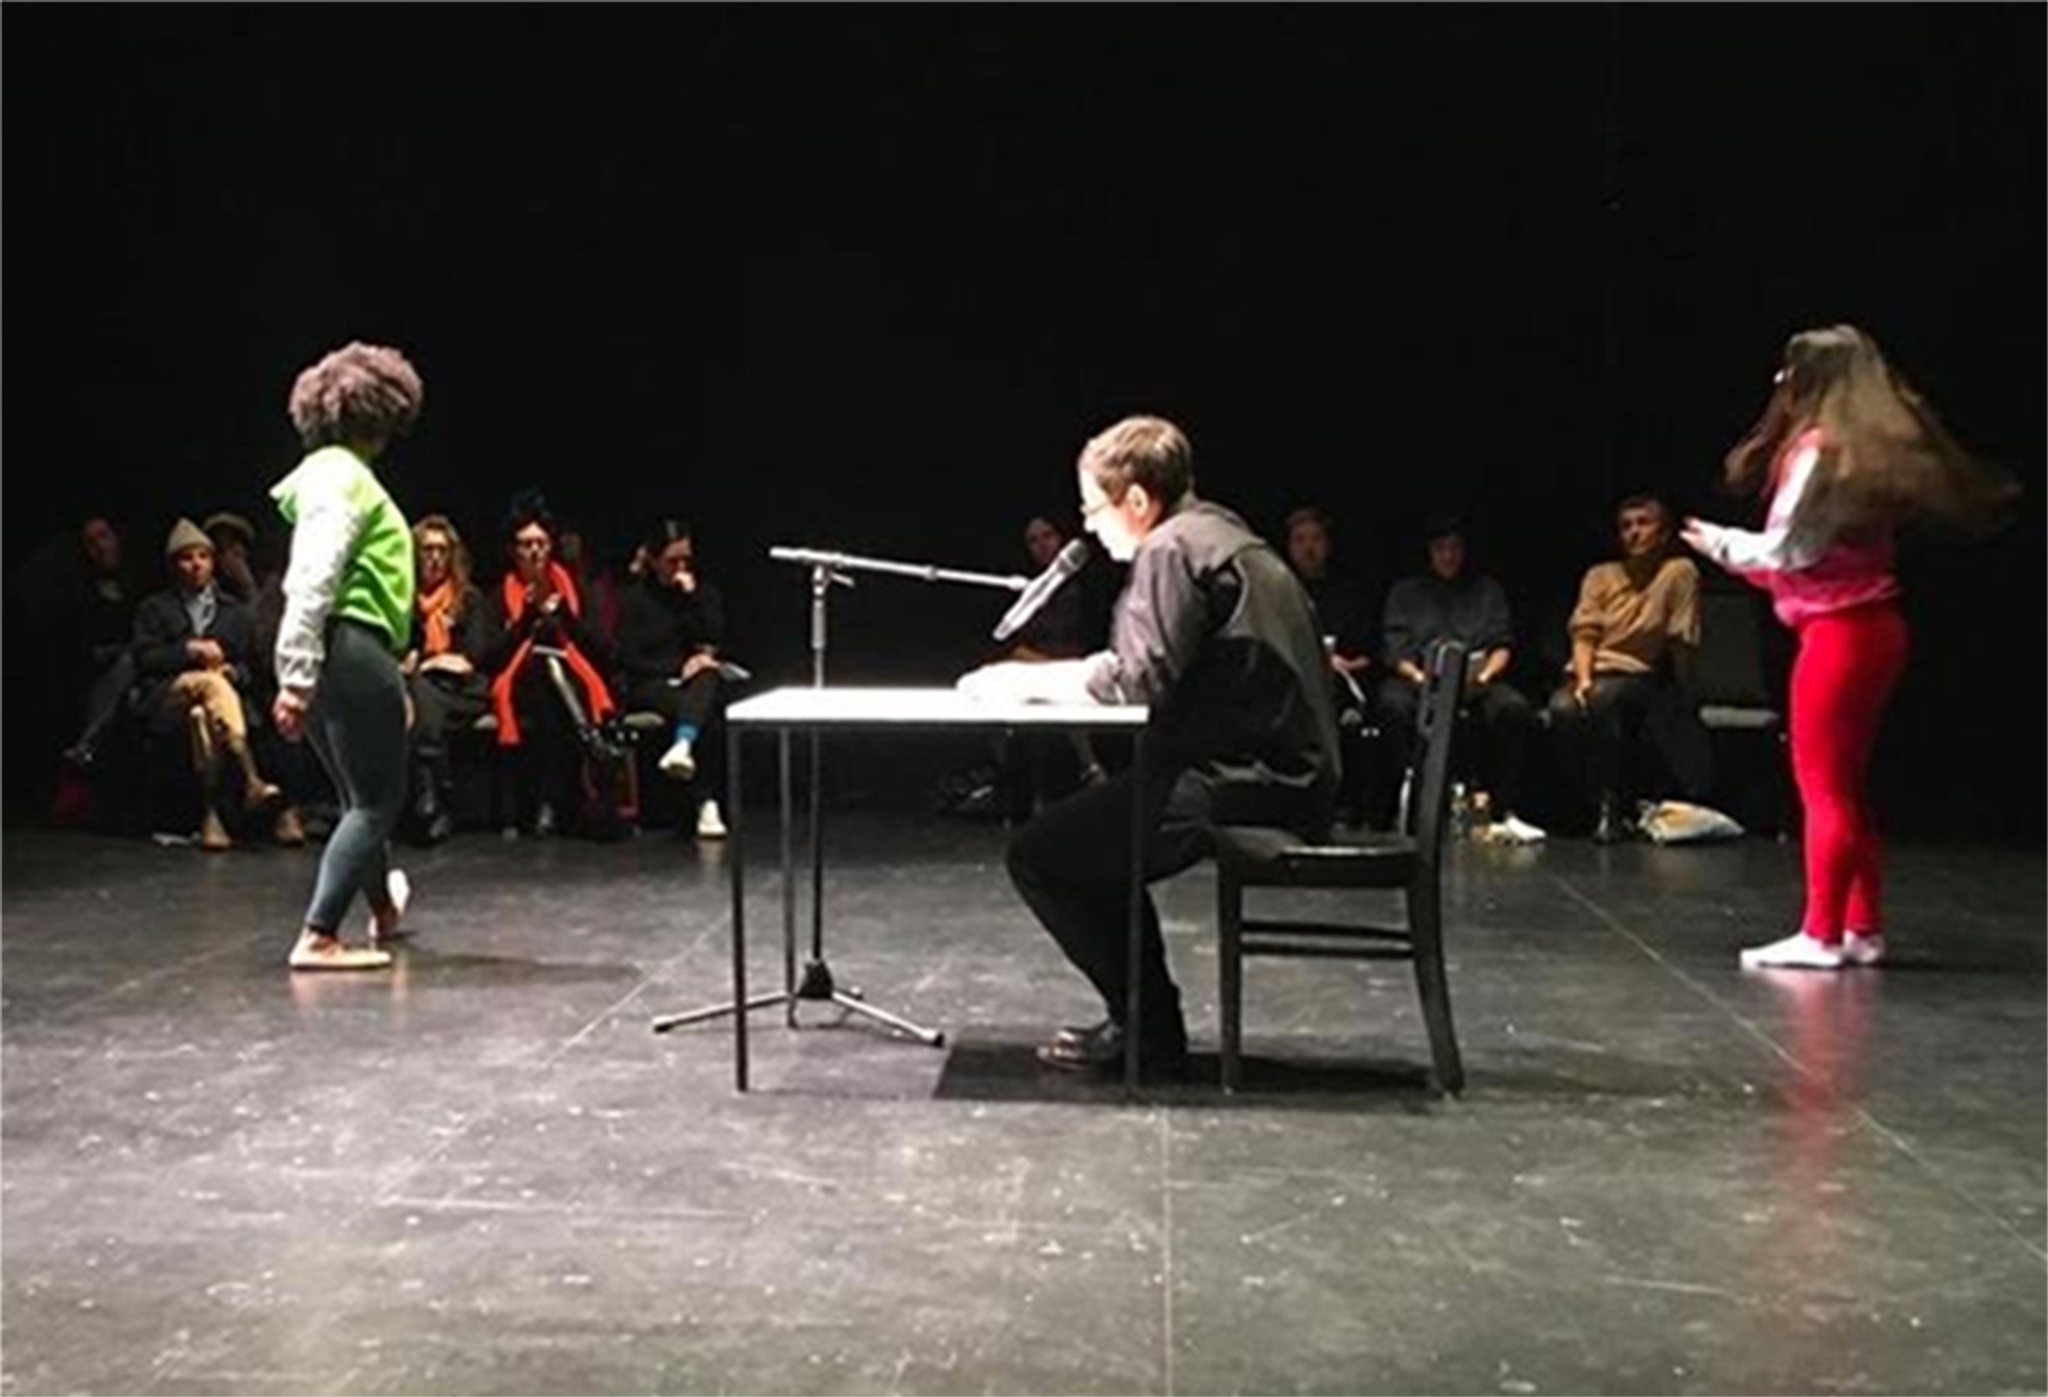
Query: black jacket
{"points": [[1216, 633], [660, 626], [502, 638], [1424, 609], [162, 627]]}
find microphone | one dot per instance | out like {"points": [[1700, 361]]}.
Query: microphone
{"points": [[1071, 560]]}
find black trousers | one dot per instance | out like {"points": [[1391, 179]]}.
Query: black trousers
{"points": [[106, 698], [548, 762], [1072, 866], [1621, 706], [698, 703], [1499, 712], [441, 704]]}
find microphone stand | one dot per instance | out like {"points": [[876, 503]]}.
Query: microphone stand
{"points": [[816, 983]]}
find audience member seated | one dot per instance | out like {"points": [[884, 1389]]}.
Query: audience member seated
{"points": [[1071, 624], [95, 620], [671, 625], [193, 645], [1346, 618], [594, 582], [1634, 634], [237, 573], [1448, 602], [444, 673], [549, 693]]}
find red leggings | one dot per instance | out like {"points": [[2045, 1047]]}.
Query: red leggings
{"points": [[1849, 662]]}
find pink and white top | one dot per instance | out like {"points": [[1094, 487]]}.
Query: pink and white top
{"points": [[1806, 573]]}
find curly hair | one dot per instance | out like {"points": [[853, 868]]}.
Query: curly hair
{"points": [[1885, 456], [359, 393]]}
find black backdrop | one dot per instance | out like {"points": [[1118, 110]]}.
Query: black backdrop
{"points": [[865, 278]]}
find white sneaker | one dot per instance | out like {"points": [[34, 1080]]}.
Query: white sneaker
{"points": [[1796, 952], [678, 761], [710, 824], [1859, 949], [1513, 829], [398, 888]]}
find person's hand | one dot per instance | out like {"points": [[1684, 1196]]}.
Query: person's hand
{"points": [[411, 663], [1694, 533], [288, 714], [697, 664], [207, 653], [685, 580], [1350, 665], [448, 663], [1582, 691]]}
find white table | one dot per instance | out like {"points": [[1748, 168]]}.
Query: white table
{"points": [[788, 711]]}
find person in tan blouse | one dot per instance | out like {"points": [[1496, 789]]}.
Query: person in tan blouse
{"points": [[1634, 632]]}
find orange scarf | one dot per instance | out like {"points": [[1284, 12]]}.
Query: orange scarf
{"points": [[437, 619], [514, 593]]}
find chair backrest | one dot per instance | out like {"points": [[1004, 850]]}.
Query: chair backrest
{"points": [[1429, 812], [1731, 660]]}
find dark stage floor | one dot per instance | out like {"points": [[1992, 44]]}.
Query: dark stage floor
{"points": [[483, 1173]]}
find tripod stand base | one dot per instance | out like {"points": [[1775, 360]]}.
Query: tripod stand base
{"points": [[816, 986]]}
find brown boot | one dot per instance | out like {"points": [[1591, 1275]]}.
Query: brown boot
{"points": [[290, 831], [256, 792], [213, 835]]}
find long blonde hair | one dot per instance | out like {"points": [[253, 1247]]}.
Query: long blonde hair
{"points": [[458, 557]]}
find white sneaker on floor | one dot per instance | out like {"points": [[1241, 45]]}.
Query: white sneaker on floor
{"points": [[398, 888], [1513, 829], [710, 824], [678, 761], [1858, 949], [1796, 952]]}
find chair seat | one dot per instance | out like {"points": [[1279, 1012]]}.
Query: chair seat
{"points": [[1736, 716], [1281, 858]]}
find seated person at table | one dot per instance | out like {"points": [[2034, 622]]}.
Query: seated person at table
{"points": [[1218, 638]]}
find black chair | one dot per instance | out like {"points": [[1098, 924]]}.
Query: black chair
{"points": [[1736, 698], [1412, 861]]}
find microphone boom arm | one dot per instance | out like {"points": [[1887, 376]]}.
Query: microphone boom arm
{"points": [[925, 572]]}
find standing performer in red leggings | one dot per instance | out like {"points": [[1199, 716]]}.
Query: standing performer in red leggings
{"points": [[1845, 452]]}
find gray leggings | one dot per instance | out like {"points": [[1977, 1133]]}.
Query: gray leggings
{"points": [[357, 727]]}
